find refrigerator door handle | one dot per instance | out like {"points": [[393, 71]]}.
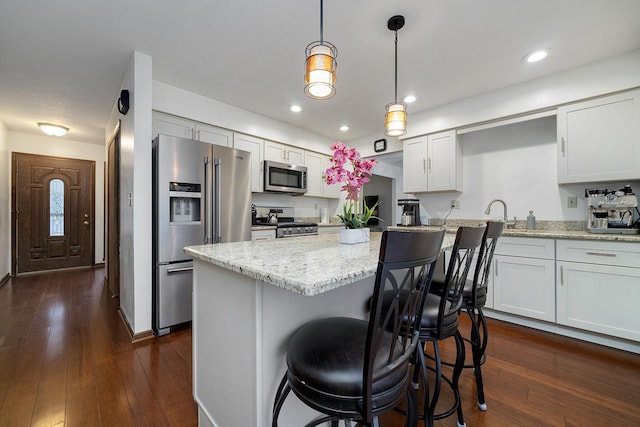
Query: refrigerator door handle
{"points": [[179, 269], [207, 210], [216, 213]]}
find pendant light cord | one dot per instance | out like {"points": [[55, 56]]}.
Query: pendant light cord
{"points": [[396, 69], [321, 24]]}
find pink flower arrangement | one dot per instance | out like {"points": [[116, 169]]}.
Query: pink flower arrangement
{"points": [[353, 179]]}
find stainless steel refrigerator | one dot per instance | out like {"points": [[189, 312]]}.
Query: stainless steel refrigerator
{"points": [[201, 194]]}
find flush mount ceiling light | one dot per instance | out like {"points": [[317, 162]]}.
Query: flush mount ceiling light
{"points": [[344, 128], [320, 77], [536, 56], [395, 119], [53, 130]]}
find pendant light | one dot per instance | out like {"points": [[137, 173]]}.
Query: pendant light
{"points": [[320, 77], [395, 119]]}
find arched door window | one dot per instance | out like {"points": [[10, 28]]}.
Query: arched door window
{"points": [[56, 207]]}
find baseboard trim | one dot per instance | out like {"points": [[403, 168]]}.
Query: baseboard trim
{"points": [[5, 279], [140, 336]]}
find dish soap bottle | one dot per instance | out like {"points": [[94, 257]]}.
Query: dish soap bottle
{"points": [[531, 221]]}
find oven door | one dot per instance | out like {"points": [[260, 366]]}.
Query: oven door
{"points": [[284, 178]]}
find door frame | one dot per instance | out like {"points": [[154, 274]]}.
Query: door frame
{"points": [[112, 254], [14, 216]]}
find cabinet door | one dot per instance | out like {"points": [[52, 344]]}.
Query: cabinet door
{"points": [[524, 286], [317, 164], [295, 156], [254, 146], [214, 135], [599, 298], [275, 152], [442, 162], [414, 165], [170, 125], [263, 235], [599, 140]]}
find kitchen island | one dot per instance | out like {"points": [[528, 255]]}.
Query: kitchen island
{"points": [[248, 298]]}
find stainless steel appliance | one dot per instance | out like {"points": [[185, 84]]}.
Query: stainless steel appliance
{"points": [[410, 212], [285, 178], [201, 194], [286, 226], [612, 211]]}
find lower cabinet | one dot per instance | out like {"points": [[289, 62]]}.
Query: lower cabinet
{"points": [[263, 234], [524, 277], [599, 287]]}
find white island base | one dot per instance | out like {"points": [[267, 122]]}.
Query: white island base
{"points": [[240, 331]]}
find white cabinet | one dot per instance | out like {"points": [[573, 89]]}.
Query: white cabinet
{"points": [[167, 124], [283, 153], [432, 163], [317, 164], [599, 140], [254, 146], [263, 234], [524, 277], [599, 287], [213, 135]]}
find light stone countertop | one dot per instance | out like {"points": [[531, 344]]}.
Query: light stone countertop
{"points": [[308, 265], [544, 233]]}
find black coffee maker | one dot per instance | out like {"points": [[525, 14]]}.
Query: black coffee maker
{"points": [[410, 212]]}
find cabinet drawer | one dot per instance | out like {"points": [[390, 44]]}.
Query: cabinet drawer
{"points": [[624, 254], [526, 247]]}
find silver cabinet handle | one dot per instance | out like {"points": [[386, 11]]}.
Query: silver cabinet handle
{"points": [[424, 164], [562, 145], [601, 254], [562, 275]]}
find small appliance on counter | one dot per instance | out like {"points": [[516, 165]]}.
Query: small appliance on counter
{"points": [[284, 221], [410, 212], [612, 211]]}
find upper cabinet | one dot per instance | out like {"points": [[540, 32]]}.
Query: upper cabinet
{"points": [[432, 163], [176, 126], [255, 147], [283, 153], [599, 140], [317, 164]]}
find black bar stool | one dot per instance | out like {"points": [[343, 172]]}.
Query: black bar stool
{"points": [[351, 369]]}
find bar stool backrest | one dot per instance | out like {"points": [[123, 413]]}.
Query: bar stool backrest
{"points": [[406, 264], [492, 232]]}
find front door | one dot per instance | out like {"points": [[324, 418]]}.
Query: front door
{"points": [[53, 202]]}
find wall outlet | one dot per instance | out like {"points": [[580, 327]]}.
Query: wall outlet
{"points": [[572, 202], [455, 204]]}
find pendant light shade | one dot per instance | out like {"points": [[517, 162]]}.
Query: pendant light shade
{"points": [[320, 76], [395, 119]]}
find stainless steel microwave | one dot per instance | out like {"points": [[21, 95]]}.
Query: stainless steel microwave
{"points": [[285, 178]]}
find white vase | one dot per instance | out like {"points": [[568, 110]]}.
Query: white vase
{"points": [[351, 236]]}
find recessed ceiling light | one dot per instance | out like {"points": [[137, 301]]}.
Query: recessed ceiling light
{"points": [[538, 55], [53, 130], [344, 128], [409, 99], [296, 108]]}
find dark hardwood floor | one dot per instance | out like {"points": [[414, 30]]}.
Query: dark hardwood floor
{"points": [[66, 359]]}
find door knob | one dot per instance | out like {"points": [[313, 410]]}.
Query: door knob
{"points": [[86, 222]]}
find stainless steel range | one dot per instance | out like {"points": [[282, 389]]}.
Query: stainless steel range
{"points": [[284, 221]]}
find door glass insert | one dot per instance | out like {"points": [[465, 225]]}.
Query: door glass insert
{"points": [[56, 207]]}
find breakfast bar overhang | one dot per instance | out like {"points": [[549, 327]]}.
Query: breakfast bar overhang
{"points": [[248, 298]]}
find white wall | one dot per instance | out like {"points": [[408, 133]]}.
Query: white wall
{"points": [[135, 195], [5, 202], [52, 146]]}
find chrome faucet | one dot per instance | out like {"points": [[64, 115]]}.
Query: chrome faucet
{"points": [[504, 205]]}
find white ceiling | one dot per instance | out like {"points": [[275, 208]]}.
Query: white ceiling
{"points": [[63, 61]]}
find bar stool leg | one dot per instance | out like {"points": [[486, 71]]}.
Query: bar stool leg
{"points": [[478, 347]]}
